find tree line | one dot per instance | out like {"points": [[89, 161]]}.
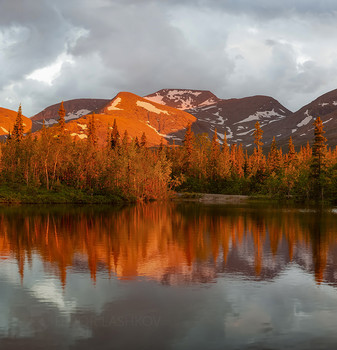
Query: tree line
{"points": [[126, 166]]}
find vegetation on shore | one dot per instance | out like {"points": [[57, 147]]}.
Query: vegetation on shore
{"points": [[51, 167]]}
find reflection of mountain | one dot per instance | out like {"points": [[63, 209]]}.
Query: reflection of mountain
{"points": [[173, 244]]}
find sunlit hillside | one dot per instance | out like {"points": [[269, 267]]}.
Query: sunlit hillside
{"points": [[7, 121]]}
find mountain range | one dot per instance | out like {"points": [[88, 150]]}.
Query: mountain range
{"points": [[165, 114]]}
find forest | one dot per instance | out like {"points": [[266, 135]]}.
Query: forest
{"points": [[50, 166]]}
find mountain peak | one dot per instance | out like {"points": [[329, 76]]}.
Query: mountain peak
{"points": [[183, 98]]}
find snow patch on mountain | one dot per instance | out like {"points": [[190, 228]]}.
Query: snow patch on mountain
{"points": [[306, 120], [81, 136], [82, 126], [323, 104], [151, 108], [221, 120], [221, 136], [208, 102], [207, 108], [49, 122], [245, 133], [114, 104], [77, 114], [230, 133], [260, 115]]}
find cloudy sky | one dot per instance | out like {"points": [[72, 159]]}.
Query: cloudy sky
{"points": [[59, 50]]}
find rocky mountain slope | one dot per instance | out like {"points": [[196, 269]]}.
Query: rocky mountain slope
{"points": [[74, 109], [183, 99], [299, 125], [234, 117]]}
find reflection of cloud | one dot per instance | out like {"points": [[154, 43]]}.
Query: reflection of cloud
{"points": [[50, 291]]}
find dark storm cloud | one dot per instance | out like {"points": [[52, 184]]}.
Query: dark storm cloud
{"points": [[234, 48], [33, 33]]}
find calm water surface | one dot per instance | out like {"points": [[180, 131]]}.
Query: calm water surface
{"points": [[168, 276]]}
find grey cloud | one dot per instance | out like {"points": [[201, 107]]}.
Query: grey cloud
{"points": [[234, 48]]}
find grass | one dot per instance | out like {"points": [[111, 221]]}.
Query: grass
{"points": [[21, 194]]}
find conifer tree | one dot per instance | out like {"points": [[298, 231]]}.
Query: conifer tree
{"points": [[259, 160], [291, 151], [319, 148], [214, 156], [143, 141], [258, 137], [125, 140], [240, 161], [188, 148], [92, 137], [114, 136], [273, 157], [137, 144], [18, 126], [61, 122]]}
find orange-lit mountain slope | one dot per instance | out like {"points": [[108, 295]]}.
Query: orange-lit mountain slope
{"points": [[103, 122], [163, 119], [7, 121], [136, 115]]}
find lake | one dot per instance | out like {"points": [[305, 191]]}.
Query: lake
{"points": [[168, 276]]}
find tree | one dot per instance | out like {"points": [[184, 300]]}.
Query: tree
{"points": [[214, 156], [318, 159], [188, 148], [61, 122], [273, 157], [143, 141], [259, 162], [114, 136], [18, 127], [92, 137], [318, 149]]}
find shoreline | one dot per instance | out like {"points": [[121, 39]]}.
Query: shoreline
{"points": [[210, 198]]}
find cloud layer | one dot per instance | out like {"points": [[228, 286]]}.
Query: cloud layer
{"points": [[234, 48]]}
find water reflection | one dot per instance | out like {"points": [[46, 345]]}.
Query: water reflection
{"points": [[167, 276], [169, 243]]}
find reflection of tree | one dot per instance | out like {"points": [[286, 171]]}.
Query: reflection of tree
{"points": [[319, 246], [169, 243]]}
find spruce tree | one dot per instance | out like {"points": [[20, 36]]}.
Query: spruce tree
{"points": [[319, 148], [143, 141], [18, 126], [92, 138], [61, 122], [188, 148], [114, 136], [291, 151], [214, 156], [318, 159]]}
